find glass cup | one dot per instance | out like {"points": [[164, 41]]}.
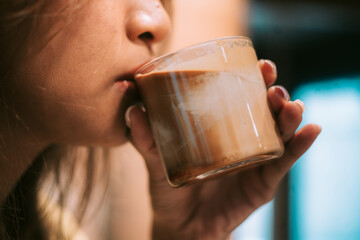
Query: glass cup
{"points": [[208, 110]]}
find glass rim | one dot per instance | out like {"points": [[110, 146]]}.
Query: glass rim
{"points": [[162, 57]]}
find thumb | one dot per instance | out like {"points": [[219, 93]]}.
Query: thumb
{"points": [[141, 137]]}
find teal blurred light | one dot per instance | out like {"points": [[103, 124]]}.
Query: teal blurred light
{"points": [[259, 226], [324, 185]]}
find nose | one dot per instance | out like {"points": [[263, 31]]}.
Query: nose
{"points": [[148, 22]]}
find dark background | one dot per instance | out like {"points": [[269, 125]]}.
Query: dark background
{"points": [[309, 41]]}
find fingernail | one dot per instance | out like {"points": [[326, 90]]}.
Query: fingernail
{"points": [[142, 107], [282, 92], [272, 65], [127, 116], [301, 104]]}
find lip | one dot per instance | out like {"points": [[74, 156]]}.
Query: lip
{"points": [[130, 75], [126, 86]]}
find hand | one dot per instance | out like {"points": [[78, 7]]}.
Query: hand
{"points": [[214, 208]]}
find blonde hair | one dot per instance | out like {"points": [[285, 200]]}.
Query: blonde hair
{"points": [[57, 177]]}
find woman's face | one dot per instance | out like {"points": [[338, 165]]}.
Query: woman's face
{"points": [[74, 90]]}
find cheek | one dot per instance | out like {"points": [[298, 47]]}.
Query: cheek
{"points": [[68, 110], [66, 92]]}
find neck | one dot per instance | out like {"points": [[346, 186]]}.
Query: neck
{"points": [[18, 149]]}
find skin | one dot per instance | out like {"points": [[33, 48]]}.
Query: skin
{"points": [[76, 91]]}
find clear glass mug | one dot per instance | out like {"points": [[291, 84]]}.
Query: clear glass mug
{"points": [[208, 110]]}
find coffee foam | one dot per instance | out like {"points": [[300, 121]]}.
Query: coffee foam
{"points": [[223, 58]]}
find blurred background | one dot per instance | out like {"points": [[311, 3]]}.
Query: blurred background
{"points": [[316, 46]]}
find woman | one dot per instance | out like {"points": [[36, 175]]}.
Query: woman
{"points": [[66, 80]]}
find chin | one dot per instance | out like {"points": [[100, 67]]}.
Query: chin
{"points": [[114, 142], [102, 138], [114, 138]]}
